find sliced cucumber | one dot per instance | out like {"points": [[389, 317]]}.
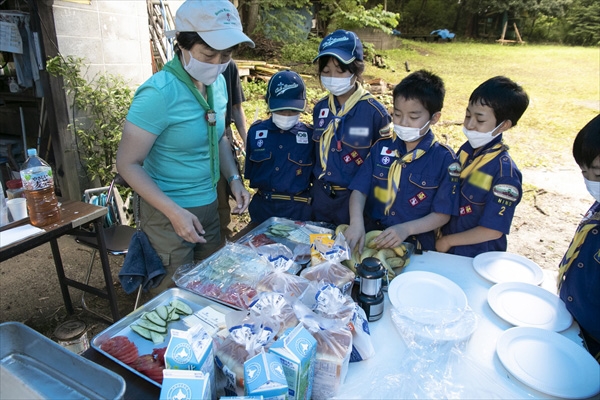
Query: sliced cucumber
{"points": [[157, 337], [154, 317], [162, 312], [143, 332], [182, 307], [144, 323], [174, 316]]}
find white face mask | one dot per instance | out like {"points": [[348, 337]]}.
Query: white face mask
{"points": [[478, 139], [204, 72], [337, 86], [408, 134], [593, 188], [284, 122]]}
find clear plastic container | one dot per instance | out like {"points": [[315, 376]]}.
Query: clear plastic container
{"points": [[38, 184], [14, 189]]}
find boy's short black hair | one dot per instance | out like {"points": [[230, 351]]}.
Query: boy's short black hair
{"points": [[586, 146], [425, 87], [508, 99], [356, 67]]}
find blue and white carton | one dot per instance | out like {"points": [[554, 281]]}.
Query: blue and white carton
{"points": [[192, 350], [179, 384], [264, 376], [297, 350]]}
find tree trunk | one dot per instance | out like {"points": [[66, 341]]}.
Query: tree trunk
{"points": [[252, 16], [459, 11]]}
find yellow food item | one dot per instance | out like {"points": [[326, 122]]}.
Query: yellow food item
{"points": [[400, 250], [367, 253], [369, 236], [341, 229], [395, 262]]}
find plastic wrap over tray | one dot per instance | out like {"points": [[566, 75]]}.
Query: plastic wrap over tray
{"points": [[123, 326], [34, 367], [228, 276], [294, 234]]}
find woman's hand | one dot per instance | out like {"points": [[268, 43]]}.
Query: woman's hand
{"points": [[187, 226], [242, 197]]}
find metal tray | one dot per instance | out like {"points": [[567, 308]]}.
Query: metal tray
{"points": [[144, 346], [308, 227], [34, 367]]}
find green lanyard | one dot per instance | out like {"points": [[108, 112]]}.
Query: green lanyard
{"points": [[174, 66]]}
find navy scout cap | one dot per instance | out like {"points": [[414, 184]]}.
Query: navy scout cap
{"points": [[343, 45], [286, 92]]}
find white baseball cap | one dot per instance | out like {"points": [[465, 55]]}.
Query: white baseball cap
{"points": [[216, 21]]}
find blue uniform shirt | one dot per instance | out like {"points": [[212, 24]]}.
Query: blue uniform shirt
{"points": [[488, 197], [427, 184], [359, 129], [279, 161], [580, 289]]}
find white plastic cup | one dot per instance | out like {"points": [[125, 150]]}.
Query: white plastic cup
{"points": [[18, 208]]}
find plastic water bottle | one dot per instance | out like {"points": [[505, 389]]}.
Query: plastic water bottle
{"points": [[38, 183]]}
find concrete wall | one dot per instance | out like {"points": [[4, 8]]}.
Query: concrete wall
{"points": [[111, 35], [379, 39]]}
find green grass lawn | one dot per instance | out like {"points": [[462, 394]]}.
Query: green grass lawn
{"points": [[563, 84]]}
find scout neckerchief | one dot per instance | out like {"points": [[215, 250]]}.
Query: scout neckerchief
{"points": [[330, 131], [395, 173], [480, 180], [575, 247], [480, 160], [174, 66]]}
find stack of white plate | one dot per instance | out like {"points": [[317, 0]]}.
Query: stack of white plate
{"points": [[433, 306], [533, 351]]}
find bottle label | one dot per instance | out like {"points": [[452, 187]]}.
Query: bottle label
{"points": [[40, 179]]}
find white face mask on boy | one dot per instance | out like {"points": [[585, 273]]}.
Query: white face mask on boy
{"points": [[408, 134], [204, 72], [337, 86], [479, 139], [285, 122], [593, 187]]}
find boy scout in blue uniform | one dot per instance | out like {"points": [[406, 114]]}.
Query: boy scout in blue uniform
{"points": [[490, 180], [579, 270], [408, 186], [346, 123], [280, 155]]}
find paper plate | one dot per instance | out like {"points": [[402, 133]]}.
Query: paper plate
{"points": [[499, 266], [524, 304], [549, 362], [426, 297]]}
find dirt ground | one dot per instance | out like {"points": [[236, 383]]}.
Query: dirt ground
{"points": [[542, 229]]}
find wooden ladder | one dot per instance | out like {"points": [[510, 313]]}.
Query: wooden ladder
{"points": [[160, 19]]}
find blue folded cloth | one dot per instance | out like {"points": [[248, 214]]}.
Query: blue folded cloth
{"points": [[142, 265]]}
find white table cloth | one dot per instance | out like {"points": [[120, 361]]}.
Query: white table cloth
{"points": [[478, 373]]}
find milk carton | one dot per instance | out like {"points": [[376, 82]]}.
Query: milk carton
{"points": [[264, 376], [184, 384], [297, 350], [191, 350]]}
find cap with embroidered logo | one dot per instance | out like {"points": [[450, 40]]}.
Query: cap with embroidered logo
{"points": [[216, 21], [286, 91], [343, 45]]}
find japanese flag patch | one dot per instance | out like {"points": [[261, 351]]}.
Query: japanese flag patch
{"points": [[386, 151], [261, 134], [324, 113]]}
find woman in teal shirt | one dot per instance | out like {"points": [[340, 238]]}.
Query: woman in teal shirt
{"points": [[173, 150]]}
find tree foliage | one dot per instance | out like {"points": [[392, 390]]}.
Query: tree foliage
{"points": [[99, 109]]}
